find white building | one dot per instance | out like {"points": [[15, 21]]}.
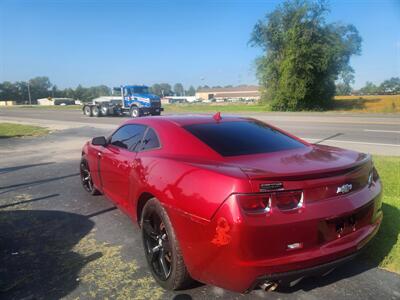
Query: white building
{"points": [[56, 101]]}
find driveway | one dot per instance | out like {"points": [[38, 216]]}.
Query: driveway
{"points": [[56, 241]]}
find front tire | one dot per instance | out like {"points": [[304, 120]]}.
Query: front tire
{"points": [[86, 178], [162, 249], [134, 112]]}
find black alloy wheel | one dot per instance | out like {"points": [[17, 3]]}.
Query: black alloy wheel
{"points": [[161, 247], [157, 246], [86, 178]]}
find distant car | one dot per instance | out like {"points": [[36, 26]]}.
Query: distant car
{"points": [[235, 202]]}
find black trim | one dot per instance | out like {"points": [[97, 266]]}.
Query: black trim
{"points": [[144, 136], [287, 277], [151, 110]]}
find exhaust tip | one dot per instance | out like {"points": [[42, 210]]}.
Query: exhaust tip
{"points": [[269, 286]]}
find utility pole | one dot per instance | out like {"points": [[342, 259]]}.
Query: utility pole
{"points": [[29, 94]]}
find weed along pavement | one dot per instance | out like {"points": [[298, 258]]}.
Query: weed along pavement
{"points": [[56, 241]]}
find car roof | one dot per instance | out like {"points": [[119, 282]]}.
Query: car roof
{"points": [[186, 119]]}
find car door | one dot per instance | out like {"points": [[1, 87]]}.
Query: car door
{"points": [[117, 161], [145, 161]]}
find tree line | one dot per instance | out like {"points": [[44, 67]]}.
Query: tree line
{"points": [[41, 87], [388, 87]]}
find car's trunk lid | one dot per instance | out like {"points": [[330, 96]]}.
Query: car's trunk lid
{"points": [[321, 168]]}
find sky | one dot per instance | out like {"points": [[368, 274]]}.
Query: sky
{"points": [[93, 42]]}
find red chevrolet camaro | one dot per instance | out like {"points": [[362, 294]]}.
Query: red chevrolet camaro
{"points": [[234, 202]]}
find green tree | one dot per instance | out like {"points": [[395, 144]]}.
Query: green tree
{"points": [[178, 89], [40, 87], [369, 89], [304, 55], [10, 91], [191, 91], [156, 89], [79, 92], [391, 86], [166, 90], [346, 79], [204, 87]]}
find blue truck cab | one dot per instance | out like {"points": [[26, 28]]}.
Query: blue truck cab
{"points": [[139, 101]]}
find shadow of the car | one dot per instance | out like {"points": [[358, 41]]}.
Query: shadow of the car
{"points": [[36, 256]]}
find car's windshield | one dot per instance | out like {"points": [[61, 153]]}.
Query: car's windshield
{"points": [[242, 138]]}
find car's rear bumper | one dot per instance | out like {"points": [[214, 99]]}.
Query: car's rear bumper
{"points": [[234, 252], [287, 278], [292, 276]]}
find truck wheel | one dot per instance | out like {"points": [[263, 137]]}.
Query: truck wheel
{"points": [[104, 110], [87, 111], [134, 112], [96, 111]]}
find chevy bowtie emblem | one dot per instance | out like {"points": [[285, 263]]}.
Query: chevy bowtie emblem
{"points": [[345, 188]]}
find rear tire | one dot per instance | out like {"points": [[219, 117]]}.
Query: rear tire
{"points": [[87, 111], [96, 111], [157, 231], [104, 110], [134, 112]]}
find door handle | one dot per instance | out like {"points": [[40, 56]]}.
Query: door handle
{"points": [[99, 154]]}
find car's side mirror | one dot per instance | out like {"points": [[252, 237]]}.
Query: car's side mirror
{"points": [[99, 141]]}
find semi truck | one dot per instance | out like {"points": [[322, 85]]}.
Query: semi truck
{"points": [[136, 100]]}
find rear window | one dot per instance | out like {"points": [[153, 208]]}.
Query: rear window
{"points": [[242, 138]]}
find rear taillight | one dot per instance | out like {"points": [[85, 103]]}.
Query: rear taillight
{"points": [[375, 174], [373, 177], [289, 200], [262, 203], [259, 203]]}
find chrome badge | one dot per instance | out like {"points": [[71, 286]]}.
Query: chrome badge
{"points": [[345, 188], [265, 187]]}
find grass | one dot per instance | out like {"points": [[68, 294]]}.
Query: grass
{"points": [[214, 107], [362, 104], [9, 130], [371, 104], [385, 248]]}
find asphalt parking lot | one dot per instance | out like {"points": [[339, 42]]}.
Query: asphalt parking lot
{"points": [[56, 241]]}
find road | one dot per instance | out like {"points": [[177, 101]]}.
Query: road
{"points": [[58, 242], [371, 133]]}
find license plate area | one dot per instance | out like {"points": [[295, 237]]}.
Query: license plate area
{"points": [[338, 227]]}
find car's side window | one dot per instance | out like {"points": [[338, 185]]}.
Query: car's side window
{"points": [[150, 141], [128, 136]]}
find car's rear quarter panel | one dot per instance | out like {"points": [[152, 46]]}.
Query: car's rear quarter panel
{"points": [[196, 189]]}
